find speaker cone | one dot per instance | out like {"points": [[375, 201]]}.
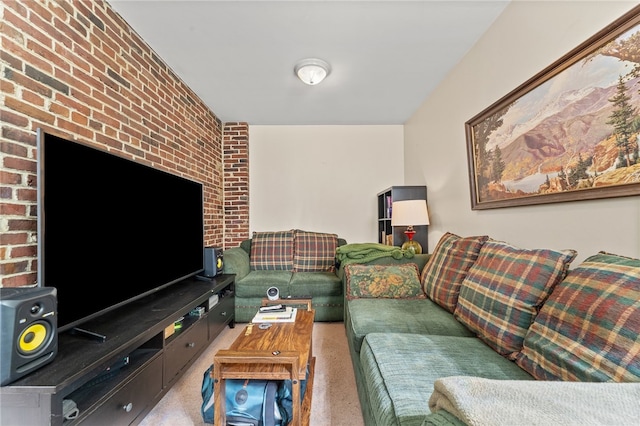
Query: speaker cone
{"points": [[34, 338]]}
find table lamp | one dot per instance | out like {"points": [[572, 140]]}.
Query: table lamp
{"points": [[410, 213]]}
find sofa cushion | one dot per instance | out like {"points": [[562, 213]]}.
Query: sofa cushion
{"points": [[420, 316], [315, 284], [400, 369], [314, 252], [272, 251], [589, 328], [257, 282], [448, 266], [504, 289], [386, 281]]}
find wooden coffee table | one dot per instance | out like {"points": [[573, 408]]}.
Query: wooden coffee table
{"points": [[280, 352]]}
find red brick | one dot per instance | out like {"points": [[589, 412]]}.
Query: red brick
{"points": [[7, 238], [27, 194], [12, 209], [28, 110], [19, 164], [20, 280]]}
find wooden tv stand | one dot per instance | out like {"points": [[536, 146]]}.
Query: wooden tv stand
{"points": [[118, 381]]}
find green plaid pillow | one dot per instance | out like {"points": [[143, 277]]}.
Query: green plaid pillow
{"points": [[272, 251], [504, 289], [383, 281], [314, 252], [589, 328], [447, 267]]}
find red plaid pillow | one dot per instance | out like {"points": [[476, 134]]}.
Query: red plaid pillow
{"points": [[448, 266], [504, 289], [589, 328], [314, 252], [272, 251]]}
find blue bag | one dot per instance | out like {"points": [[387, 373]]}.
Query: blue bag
{"points": [[249, 402], [285, 397], [207, 396], [252, 402]]}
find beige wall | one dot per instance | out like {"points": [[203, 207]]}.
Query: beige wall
{"points": [[322, 178], [525, 39]]}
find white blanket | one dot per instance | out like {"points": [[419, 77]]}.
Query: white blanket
{"points": [[478, 401]]}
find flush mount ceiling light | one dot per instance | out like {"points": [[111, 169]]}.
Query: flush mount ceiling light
{"points": [[312, 71]]}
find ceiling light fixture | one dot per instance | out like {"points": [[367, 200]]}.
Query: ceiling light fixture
{"points": [[312, 71]]}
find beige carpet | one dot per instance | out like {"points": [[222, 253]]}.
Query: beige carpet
{"points": [[335, 399]]}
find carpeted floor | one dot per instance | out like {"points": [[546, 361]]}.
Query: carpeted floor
{"points": [[335, 399]]}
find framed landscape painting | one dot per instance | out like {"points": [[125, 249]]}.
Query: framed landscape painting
{"points": [[569, 133]]}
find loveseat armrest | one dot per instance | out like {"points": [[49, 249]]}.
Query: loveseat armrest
{"points": [[236, 261]]}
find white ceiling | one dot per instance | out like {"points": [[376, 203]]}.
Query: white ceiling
{"points": [[238, 56]]}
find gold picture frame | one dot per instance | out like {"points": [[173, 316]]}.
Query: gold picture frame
{"points": [[569, 133]]}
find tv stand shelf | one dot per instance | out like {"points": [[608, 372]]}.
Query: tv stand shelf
{"points": [[119, 380]]}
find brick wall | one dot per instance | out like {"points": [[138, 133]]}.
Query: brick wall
{"points": [[77, 70], [236, 183]]}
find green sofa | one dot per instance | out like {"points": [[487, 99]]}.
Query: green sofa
{"points": [[425, 336], [299, 263]]}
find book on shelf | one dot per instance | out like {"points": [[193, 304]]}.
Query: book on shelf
{"points": [[289, 315]]}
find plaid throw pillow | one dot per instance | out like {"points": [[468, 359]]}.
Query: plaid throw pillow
{"points": [[272, 251], [314, 252], [589, 329], [504, 289], [448, 266], [384, 281]]}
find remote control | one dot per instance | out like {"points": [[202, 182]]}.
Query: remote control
{"points": [[274, 308]]}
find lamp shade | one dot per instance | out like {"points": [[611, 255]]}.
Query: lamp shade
{"points": [[409, 213]]}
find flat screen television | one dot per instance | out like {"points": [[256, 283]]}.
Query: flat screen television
{"points": [[111, 230]]}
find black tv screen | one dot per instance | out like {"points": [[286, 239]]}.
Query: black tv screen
{"points": [[111, 230]]}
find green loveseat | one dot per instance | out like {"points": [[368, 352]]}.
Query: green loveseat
{"points": [[299, 263], [447, 343]]}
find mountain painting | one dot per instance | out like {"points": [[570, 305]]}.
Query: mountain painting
{"points": [[570, 134]]}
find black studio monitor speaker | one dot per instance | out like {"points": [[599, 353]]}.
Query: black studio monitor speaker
{"points": [[213, 262], [29, 337]]}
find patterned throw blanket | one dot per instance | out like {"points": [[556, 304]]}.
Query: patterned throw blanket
{"points": [[477, 401], [366, 252]]}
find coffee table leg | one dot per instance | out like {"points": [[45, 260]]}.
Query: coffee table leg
{"points": [[297, 411], [219, 391]]}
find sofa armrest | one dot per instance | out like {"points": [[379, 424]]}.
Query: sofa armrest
{"points": [[442, 418], [236, 261]]}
